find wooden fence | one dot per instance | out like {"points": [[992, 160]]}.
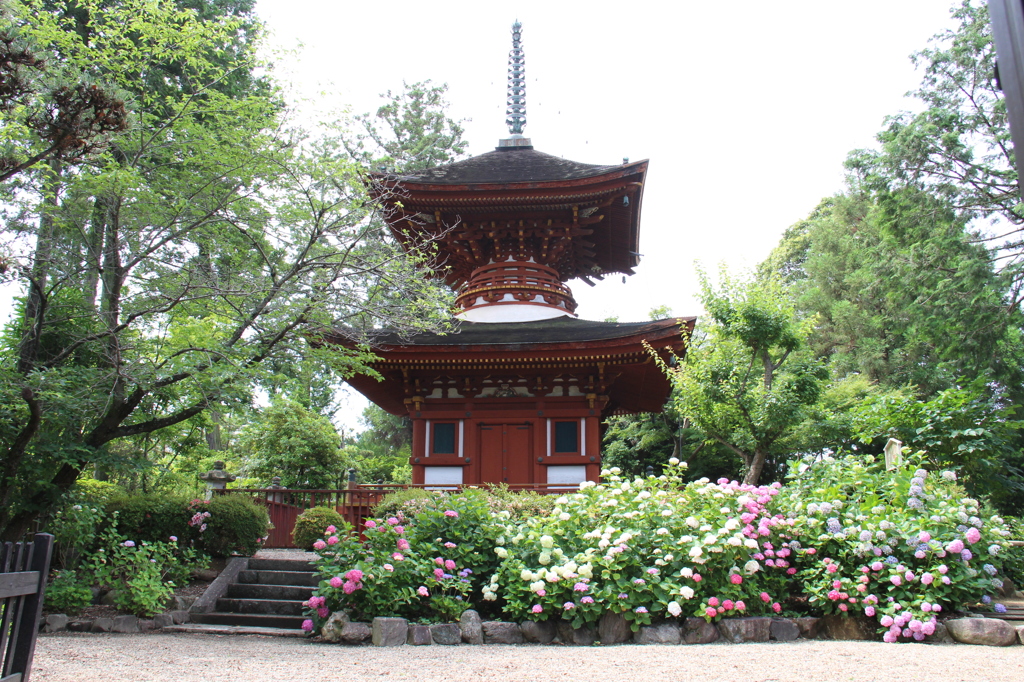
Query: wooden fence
{"points": [[354, 504], [23, 571]]}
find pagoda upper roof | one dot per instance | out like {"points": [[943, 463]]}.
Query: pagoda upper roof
{"points": [[508, 165]]}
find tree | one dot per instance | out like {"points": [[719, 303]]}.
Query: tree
{"points": [[750, 381], [292, 442], [208, 242], [900, 293], [958, 147]]}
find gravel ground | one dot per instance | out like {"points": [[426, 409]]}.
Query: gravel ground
{"points": [[74, 657]]}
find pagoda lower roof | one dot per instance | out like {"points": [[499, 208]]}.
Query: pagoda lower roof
{"points": [[565, 332]]}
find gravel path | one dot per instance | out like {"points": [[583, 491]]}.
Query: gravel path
{"points": [[74, 657]]}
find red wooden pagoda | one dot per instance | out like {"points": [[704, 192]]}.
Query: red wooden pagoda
{"points": [[519, 392]]}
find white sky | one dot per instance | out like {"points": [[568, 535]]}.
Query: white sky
{"points": [[745, 109]]}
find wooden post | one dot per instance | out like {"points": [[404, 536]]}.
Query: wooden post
{"points": [[23, 640]]}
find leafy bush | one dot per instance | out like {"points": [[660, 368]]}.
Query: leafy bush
{"points": [[66, 593], [235, 525], [75, 529], [407, 502], [842, 536], [151, 517], [142, 574], [312, 523], [520, 505]]}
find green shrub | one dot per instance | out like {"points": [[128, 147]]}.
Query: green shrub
{"points": [[520, 505], [151, 517], [312, 523], [407, 502], [66, 593], [235, 525]]}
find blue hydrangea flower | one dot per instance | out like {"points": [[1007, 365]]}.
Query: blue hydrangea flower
{"points": [[999, 608], [990, 569], [915, 503], [891, 560], [966, 555], [986, 599]]}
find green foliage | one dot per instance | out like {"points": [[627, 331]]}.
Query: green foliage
{"points": [[75, 529], [518, 505], [150, 518], [751, 381], [968, 430], [141, 574], [405, 502], [66, 593], [314, 523], [300, 446], [236, 525]]}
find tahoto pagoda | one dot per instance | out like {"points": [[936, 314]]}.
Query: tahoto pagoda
{"points": [[519, 392]]}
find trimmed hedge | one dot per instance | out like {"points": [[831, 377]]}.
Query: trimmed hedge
{"points": [[312, 523], [236, 525]]}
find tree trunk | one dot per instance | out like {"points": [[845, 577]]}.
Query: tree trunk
{"points": [[756, 465], [35, 304]]}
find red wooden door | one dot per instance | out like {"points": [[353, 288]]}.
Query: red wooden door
{"points": [[505, 453]]}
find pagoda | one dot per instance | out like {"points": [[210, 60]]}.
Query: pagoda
{"points": [[519, 392]]}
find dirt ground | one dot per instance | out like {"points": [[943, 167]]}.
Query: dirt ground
{"points": [[74, 657]]}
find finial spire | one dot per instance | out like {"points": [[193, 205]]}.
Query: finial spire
{"points": [[515, 114]]}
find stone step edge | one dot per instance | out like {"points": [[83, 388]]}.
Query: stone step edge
{"points": [[205, 629]]}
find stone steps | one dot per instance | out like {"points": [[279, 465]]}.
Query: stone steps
{"points": [[261, 594], [202, 629]]}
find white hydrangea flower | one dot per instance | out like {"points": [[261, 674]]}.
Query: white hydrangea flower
{"points": [[662, 531], [734, 541], [526, 575], [603, 543], [544, 559], [696, 552], [673, 461], [501, 552], [547, 541], [732, 524], [564, 516], [686, 592], [674, 608], [692, 522], [751, 567]]}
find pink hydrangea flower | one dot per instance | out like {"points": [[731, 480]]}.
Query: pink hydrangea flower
{"points": [[877, 566], [542, 592], [697, 578], [972, 535], [438, 573], [956, 546], [537, 608], [842, 607], [439, 561], [349, 587], [399, 529], [330, 529], [927, 578], [710, 612], [568, 606], [333, 540], [307, 625], [869, 611], [587, 600], [765, 597], [776, 607], [335, 581], [736, 579], [355, 575], [896, 580], [713, 601], [392, 521], [423, 591], [943, 569], [790, 571], [319, 544], [728, 604], [740, 606], [450, 545], [403, 544], [450, 565], [886, 621], [323, 612], [452, 514], [174, 538], [397, 557], [388, 567], [812, 551], [370, 523]]}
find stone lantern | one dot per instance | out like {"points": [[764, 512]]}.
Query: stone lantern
{"points": [[216, 479]]}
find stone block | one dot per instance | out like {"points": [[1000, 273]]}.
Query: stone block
{"points": [[389, 631], [446, 634], [985, 631], [538, 632], [102, 625], [784, 630], [1020, 633], [613, 628], [810, 627], [500, 632], [82, 625], [658, 633], [162, 620], [55, 622], [699, 631], [940, 636], [125, 624], [146, 625], [179, 616], [356, 633], [419, 635], [576, 636], [109, 598], [856, 628], [207, 575], [184, 603], [336, 622], [1008, 590], [738, 630], [472, 627]]}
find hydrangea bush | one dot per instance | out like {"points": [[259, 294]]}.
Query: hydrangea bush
{"points": [[841, 536]]}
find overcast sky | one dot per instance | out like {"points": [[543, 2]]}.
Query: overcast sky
{"points": [[746, 109]]}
